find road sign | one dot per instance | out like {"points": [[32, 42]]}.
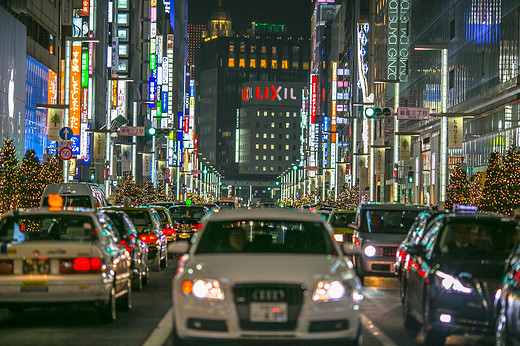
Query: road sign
{"points": [[62, 144], [66, 133], [65, 153], [132, 131], [413, 113]]}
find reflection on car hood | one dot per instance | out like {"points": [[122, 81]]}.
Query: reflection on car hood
{"points": [[286, 268], [475, 269]]}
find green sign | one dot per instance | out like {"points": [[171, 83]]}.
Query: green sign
{"points": [[84, 69], [153, 61]]}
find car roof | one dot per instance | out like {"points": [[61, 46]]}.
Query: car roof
{"points": [[264, 214], [344, 212], [123, 208], [392, 206], [451, 216], [46, 211]]}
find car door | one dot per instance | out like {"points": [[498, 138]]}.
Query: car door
{"points": [[419, 268]]}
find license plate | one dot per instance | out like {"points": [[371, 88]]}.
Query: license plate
{"points": [[34, 286], [268, 312], [36, 266]]}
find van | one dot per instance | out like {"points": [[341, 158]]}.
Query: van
{"points": [[76, 195]]}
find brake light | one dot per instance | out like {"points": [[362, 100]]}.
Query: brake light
{"points": [[143, 237], [175, 227], [122, 242], [6, 267], [152, 238], [199, 226], [167, 231], [81, 265]]}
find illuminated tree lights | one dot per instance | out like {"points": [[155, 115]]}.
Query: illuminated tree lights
{"points": [[30, 181], [8, 171], [129, 191]]}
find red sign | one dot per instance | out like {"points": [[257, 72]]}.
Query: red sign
{"points": [[65, 153], [85, 8], [75, 90], [186, 124], [313, 99], [268, 92]]}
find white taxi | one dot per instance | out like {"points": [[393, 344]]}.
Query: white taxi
{"points": [[269, 275], [60, 256]]}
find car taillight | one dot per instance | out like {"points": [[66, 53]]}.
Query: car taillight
{"points": [[6, 267], [123, 244], [175, 227], [199, 226], [152, 238], [80, 265], [338, 237], [167, 231], [196, 226], [143, 237]]}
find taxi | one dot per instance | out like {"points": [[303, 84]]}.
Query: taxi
{"points": [[340, 220], [56, 255], [166, 222]]}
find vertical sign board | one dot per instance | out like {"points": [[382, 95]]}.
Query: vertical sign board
{"points": [[98, 154], [379, 161], [75, 96], [397, 40], [121, 93], [54, 124], [405, 144], [455, 131], [147, 164], [126, 158]]}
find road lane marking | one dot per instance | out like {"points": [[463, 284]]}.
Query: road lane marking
{"points": [[161, 333], [376, 332]]}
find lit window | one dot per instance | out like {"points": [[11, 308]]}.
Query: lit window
{"points": [[257, 146], [273, 50], [274, 64], [272, 124], [256, 168], [295, 64], [287, 158], [263, 50], [252, 63], [231, 48], [287, 114], [272, 135], [264, 146], [287, 136], [287, 125], [287, 147], [306, 65], [265, 135], [295, 114], [231, 62], [264, 157], [265, 113], [257, 135], [272, 157], [256, 157], [263, 63], [242, 62], [272, 146], [284, 64], [264, 169]]}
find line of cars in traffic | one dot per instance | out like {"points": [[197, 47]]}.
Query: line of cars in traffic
{"points": [[78, 250]]}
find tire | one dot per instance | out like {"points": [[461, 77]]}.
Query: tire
{"points": [[501, 329], [432, 336], [107, 312], [125, 301], [137, 283], [146, 278], [358, 271], [408, 320], [164, 262], [156, 265]]}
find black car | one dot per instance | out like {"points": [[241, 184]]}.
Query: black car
{"points": [[453, 277], [507, 303], [187, 219], [138, 250], [413, 239]]}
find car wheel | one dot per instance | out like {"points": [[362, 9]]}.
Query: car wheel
{"points": [[501, 329], [402, 287], [408, 320], [125, 301], [146, 278], [164, 261], [432, 336], [358, 271], [137, 283], [107, 312]]}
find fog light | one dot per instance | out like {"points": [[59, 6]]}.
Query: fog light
{"points": [[445, 318]]}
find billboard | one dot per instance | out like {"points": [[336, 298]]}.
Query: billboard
{"points": [[12, 83], [272, 93]]}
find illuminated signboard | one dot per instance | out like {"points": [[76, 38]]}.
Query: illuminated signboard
{"points": [[153, 62], [75, 91], [269, 93], [313, 99], [397, 40], [84, 67]]}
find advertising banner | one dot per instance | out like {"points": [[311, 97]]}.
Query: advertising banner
{"points": [[379, 161], [54, 124], [75, 90], [455, 131], [405, 143], [126, 158], [147, 165], [99, 147]]}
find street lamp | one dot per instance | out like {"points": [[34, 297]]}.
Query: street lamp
{"points": [[444, 120]]}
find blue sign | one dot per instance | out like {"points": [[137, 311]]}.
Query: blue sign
{"points": [[66, 133], [75, 145], [87, 160], [164, 100]]}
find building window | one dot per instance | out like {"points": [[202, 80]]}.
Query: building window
{"points": [[252, 63], [287, 146], [288, 114], [287, 158], [263, 63], [264, 169], [284, 64], [295, 64], [264, 146], [242, 48], [287, 136], [272, 135], [274, 64], [263, 50], [253, 49], [256, 157], [257, 146], [272, 124], [265, 135], [287, 125], [231, 48], [273, 50], [272, 146], [231, 62], [264, 157], [257, 135], [242, 62]]}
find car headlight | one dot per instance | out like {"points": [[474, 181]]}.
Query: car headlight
{"points": [[203, 289], [328, 290], [370, 251], [450, 282]]}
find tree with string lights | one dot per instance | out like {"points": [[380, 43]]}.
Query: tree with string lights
{"points": [[511, 176], [494, 186], [8, 172], [53, 171], [128, 193], [160, 193], [348, 198], [148, 193], [457, 191], [30, 181], [475, 190]]}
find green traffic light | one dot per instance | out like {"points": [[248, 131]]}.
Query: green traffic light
{"points": [[92, 176], [151, 131], [369, 112], [188, 202]]}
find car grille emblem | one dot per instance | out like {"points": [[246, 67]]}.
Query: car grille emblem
{"points": [[268, 295]]}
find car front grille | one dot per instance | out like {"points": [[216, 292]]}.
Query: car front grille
{"points": [[386, 251], [245, 294]]}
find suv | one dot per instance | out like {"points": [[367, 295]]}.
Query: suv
{"points": [[378, 231]]}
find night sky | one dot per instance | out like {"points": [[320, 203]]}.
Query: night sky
{"points": [[295, 14]]}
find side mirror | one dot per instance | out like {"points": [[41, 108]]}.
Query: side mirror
{"points": [[351, 249], [353, 226], [179, 247]]}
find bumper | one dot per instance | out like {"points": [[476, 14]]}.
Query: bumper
{"points": [[54, 289], [376, 266], [197, 319]]}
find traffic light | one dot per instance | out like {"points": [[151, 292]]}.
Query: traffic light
{"points": [[410, 177], [376, 112], [152, 131], [92, 173]]}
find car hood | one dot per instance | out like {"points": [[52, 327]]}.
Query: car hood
{"points": [[288, 268], [474, 269]]}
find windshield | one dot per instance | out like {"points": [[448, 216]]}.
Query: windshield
{"points": [[253, 236], [47, 227], [163, 216], [485, 239], [72, 201], [342, 219], [390, 221], [187, 213], [139, 217]]}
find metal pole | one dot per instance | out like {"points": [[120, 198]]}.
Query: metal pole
{"points": [[68, 54], [396, 141], [134, 143], [444, 125]]}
